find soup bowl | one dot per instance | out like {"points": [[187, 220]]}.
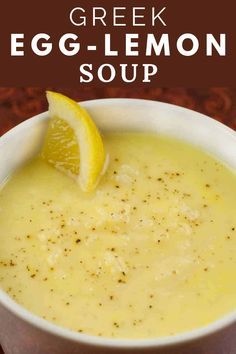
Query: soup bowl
{"points": [[21, 332]]}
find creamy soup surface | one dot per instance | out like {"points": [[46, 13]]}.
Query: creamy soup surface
{"points": [[150, 253]]}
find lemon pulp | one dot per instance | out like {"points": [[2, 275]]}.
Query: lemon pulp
{"points": [[73, 144]]}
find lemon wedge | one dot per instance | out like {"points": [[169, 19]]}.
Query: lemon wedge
{"points": [[73, 144]]}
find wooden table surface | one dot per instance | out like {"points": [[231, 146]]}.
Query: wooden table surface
{"points": [[18, 104]]}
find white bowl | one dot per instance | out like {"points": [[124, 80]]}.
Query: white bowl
{"points": [[21, 332]]}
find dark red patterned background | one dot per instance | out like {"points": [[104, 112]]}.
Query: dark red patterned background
{"points": [[18, 104]]}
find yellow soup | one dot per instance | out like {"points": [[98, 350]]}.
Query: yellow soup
{"points": [[150, 253]]}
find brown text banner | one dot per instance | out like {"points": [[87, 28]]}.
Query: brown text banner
{"points": [[144, 43]]}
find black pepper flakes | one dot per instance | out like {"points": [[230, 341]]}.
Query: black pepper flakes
{"points": [[116, 324]]}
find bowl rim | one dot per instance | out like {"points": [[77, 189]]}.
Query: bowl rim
{"points": [[9, 304]]}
